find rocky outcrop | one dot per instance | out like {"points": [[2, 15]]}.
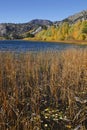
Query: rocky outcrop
{"points": [[3, 30]]}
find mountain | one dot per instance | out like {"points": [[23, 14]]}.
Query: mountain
{"points": [[41, 22], [38, 26], [11, 30], [78, 16], [74, 18]]}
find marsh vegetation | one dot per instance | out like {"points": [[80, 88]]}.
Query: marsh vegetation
{"points": [[43, 91]]}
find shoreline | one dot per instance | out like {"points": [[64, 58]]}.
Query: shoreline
{"points": [[78, 42]]}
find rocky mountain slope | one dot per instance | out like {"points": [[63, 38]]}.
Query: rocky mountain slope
{"points": [[74, 18], [11, 30]]}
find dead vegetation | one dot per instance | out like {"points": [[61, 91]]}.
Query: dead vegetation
{"points": [[43, 91]]}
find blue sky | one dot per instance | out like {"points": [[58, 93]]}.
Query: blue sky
{"points": [[20, 11]]}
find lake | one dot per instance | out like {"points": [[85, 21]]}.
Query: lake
{"points": [[23, 46]]}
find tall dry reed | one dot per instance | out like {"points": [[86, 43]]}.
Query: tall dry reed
{"points": [[33, 83]]}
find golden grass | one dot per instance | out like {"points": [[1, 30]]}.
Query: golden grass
{"points": [[36, 86]]}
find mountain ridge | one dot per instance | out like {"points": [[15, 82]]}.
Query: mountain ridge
{"points": [[74, 18]]}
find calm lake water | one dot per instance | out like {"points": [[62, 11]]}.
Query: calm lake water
{"points": [[18, 45]]}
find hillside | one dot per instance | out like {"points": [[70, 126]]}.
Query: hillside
{"points": [[65, 31], [16, 31], [71, 28]]}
